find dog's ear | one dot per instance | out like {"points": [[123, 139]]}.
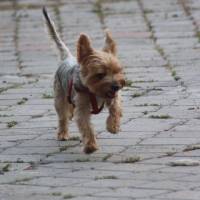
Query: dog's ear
{"points": [[110, 45], [84, 48]]}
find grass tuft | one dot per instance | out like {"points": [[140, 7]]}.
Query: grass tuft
{"points": [[22, 101], [173, 73], [132, 159], [198, 35], [145, 112], [137, 94], [74, 138], [176, 78], [129, 83], [106, 157], [160, 116], [192, 147], [148, 11], [82, 160], [11, 124], [68, 196], [56, 193], [6, 168], [47, 95], [105, 177]]}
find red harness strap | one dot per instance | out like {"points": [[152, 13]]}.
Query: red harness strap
{"points": [[93, 100]]}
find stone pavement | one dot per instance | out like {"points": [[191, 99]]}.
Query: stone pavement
{"points": [[159, 46]]}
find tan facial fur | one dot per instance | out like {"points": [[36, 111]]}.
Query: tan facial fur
{"points": [[100, 70]]}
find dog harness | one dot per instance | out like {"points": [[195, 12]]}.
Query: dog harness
{"points": [[69, 78], [92, 97]]}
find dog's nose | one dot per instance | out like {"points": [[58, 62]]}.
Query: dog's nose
{"points": [[115, 88]]}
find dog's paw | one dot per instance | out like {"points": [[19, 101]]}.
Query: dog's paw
{"points": [[90, 148], [62, 136], [113, 125]]}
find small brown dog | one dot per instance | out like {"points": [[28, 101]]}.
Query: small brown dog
{"points": [[87, 85]]}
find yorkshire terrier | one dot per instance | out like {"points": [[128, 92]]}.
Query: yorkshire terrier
{"points": [[82, 86]]}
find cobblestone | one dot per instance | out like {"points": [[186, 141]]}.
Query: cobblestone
{"points": [[158, 44]]}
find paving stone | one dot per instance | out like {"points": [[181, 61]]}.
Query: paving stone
{"points": [[187, 194], [54, 182], [130, 192], [20, 158]]}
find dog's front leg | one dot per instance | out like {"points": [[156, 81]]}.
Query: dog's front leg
{"points": [[84, 124], [115, 113]]}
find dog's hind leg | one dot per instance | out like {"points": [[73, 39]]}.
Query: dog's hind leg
{"points": [[62, 108]]}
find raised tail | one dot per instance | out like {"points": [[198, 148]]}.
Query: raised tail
{"points": [[64, 51]]}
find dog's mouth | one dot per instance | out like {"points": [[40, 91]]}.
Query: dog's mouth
{"points": [[111, 94]]}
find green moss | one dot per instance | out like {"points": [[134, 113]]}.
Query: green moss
{"points": [[10, 87], [47, 95], [63, 148], [145, 112], [6, 167], [176, 78], [97, 7], [142, 105], [146, 104], [160, 116], [137, 94], [148, 11], [82, 160], [156, 89], [143, 81], [11, 124], [23, 101], [56, 193], [198, 35], [160, 50], [192, 147], [173, 73], [19, 161], [6, 115], [107, 156], [23, 180], [171, 153], [68, 196], [175, 15], [154, 104], [74, 138], [129, 83], [105, 177], [131, 159]]}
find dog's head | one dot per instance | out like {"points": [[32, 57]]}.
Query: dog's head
{"points": [[101, 71]]}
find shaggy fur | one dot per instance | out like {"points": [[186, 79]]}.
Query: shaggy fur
{"points": [[101, 73]]}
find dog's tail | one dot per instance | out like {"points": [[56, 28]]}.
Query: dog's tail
{"points": [[64, 51]]}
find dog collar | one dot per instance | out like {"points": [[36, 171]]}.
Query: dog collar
{"points": [[92, 97]]}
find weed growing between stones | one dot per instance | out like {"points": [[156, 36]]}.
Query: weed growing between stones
{"points": [[160, 116], [11, 124], [22, 101], [131, 159], [47, 95], [68, 196], [105, 177], [6, 168]]}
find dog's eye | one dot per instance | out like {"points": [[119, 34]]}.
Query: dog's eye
{"points": [[100, 76]]}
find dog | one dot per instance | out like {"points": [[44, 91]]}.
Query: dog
{"points": [[83, 85]]}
